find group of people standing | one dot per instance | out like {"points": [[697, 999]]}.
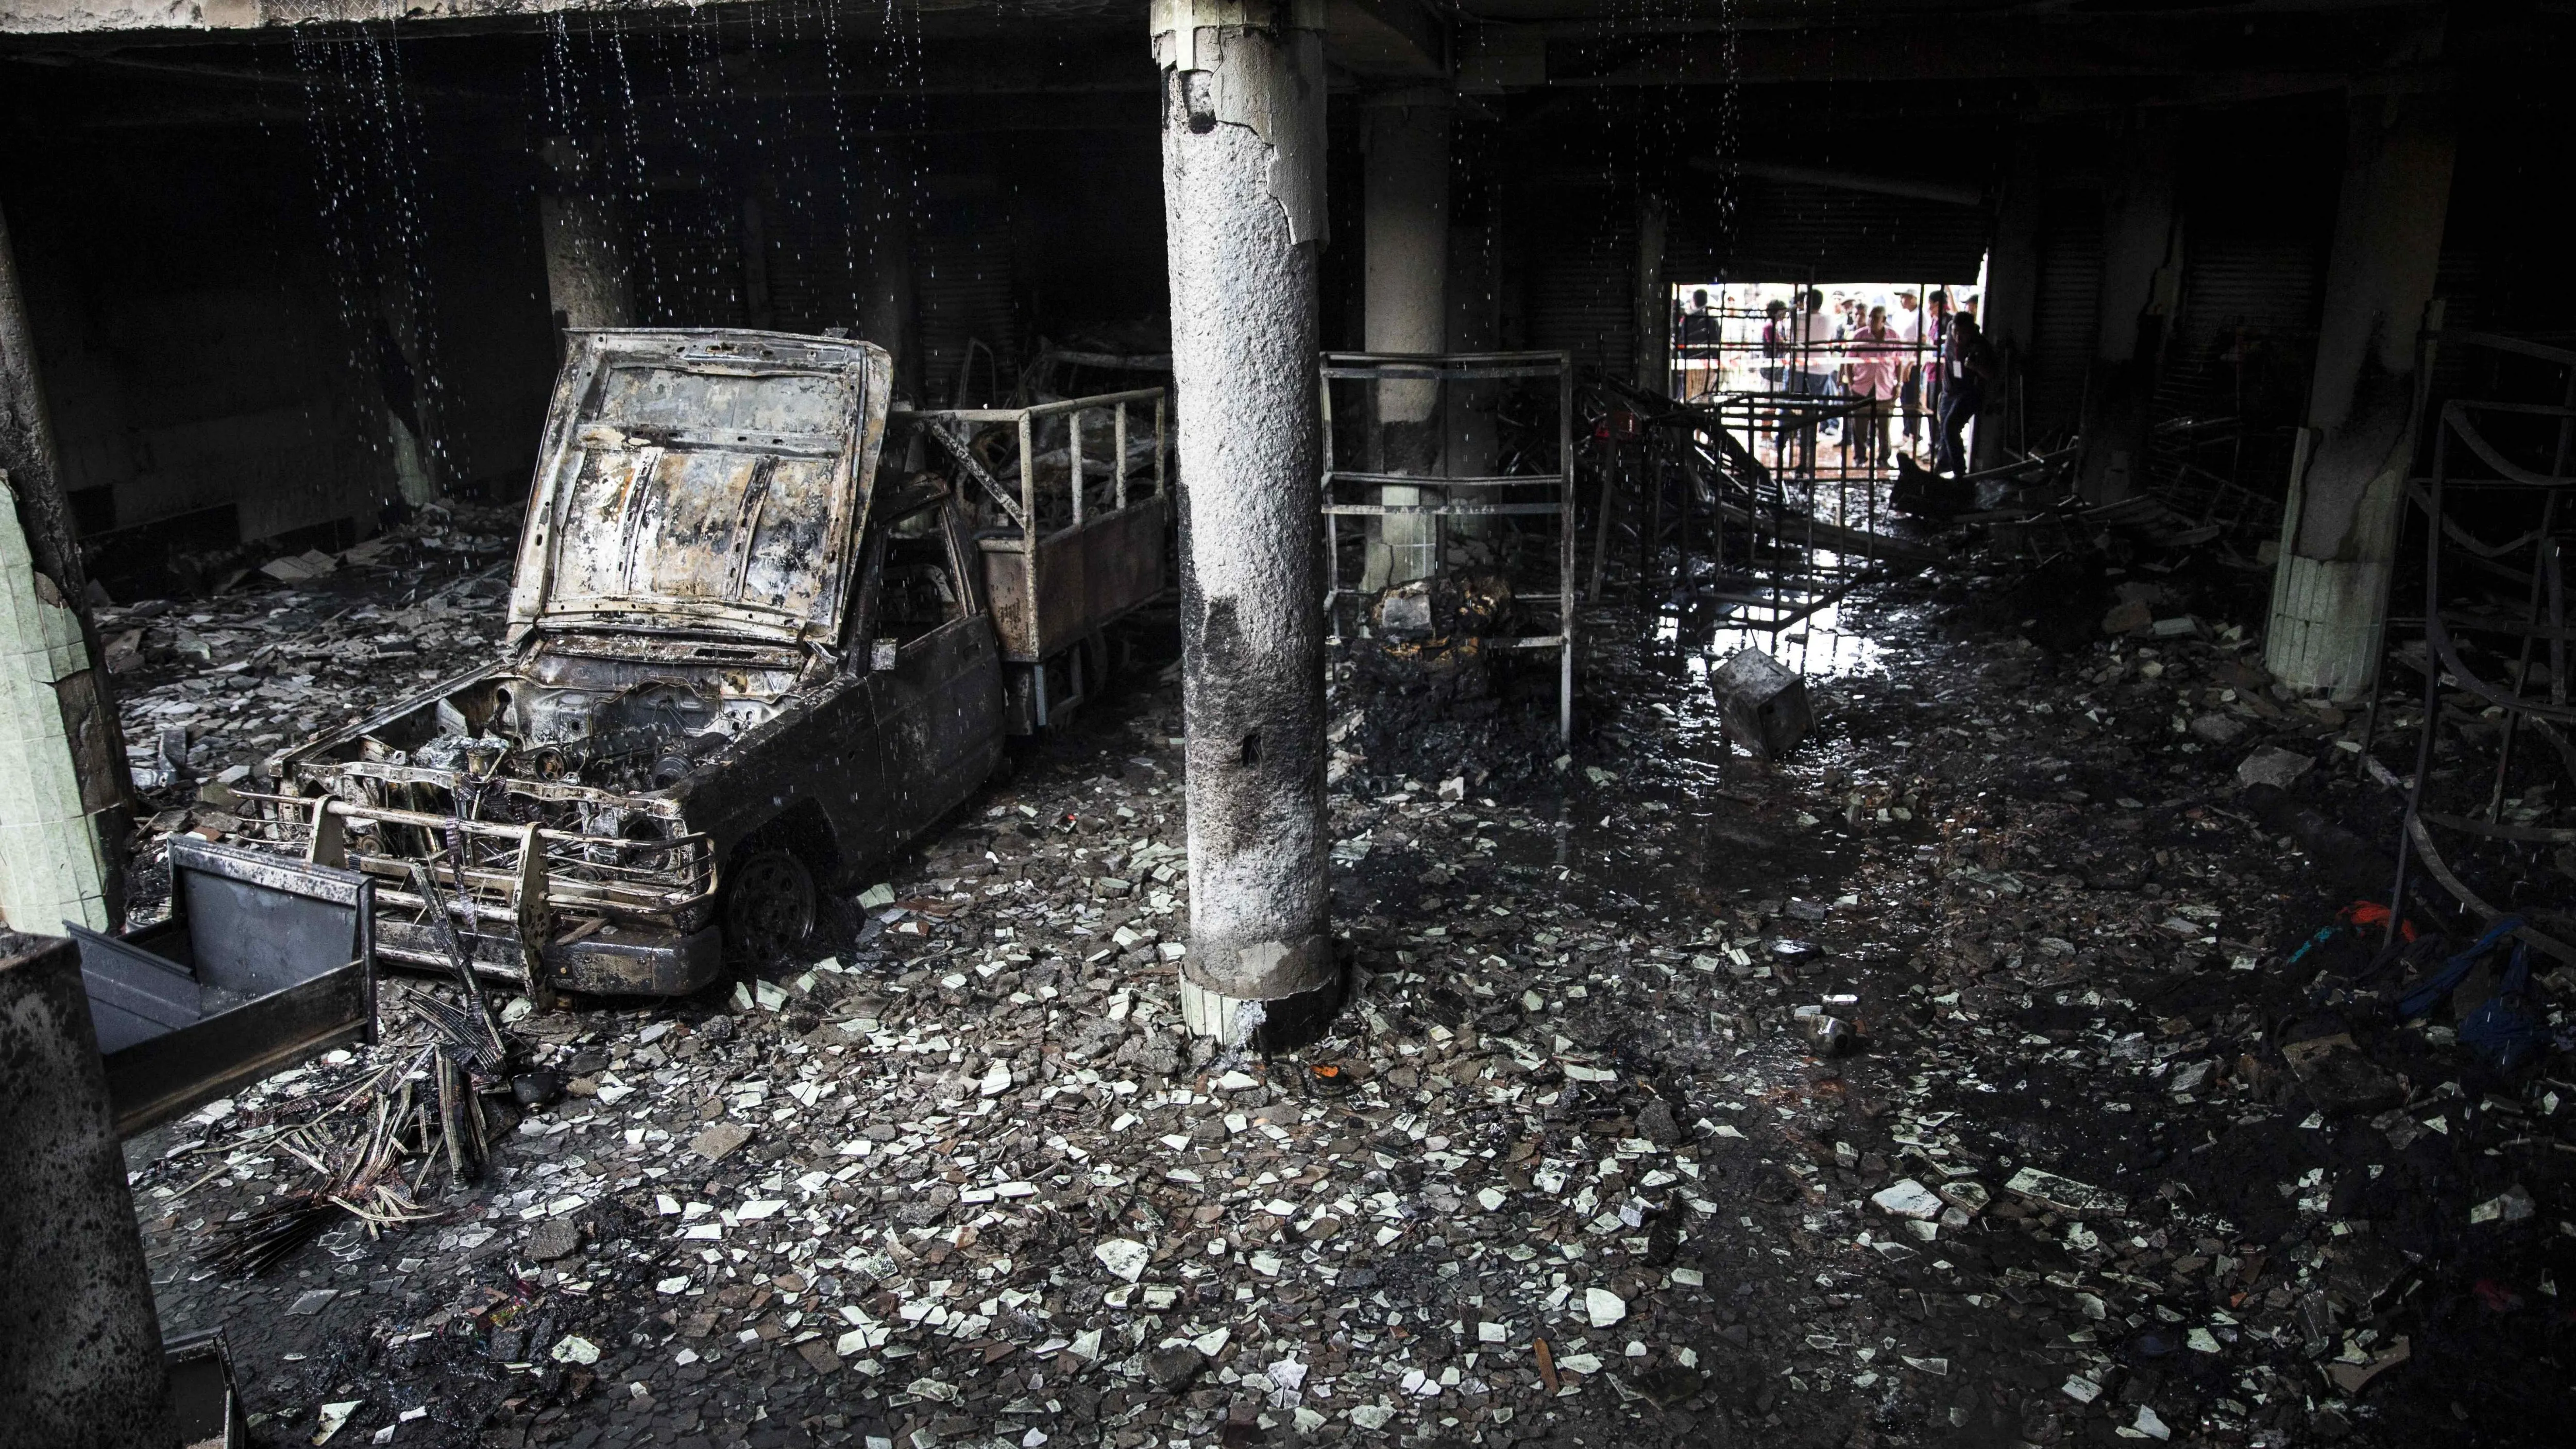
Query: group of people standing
{"points": [[1868, 366]]}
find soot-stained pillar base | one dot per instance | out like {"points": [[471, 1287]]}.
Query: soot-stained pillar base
{"points": [[2340, 524], [1243, 209], [80, 1344]]}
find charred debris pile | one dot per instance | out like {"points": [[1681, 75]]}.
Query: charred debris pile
{"points": [[1422, 694], [2018, 1054], [1965, 1069]]}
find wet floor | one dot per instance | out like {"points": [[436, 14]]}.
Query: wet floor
{"points": [[1927, 1086]]}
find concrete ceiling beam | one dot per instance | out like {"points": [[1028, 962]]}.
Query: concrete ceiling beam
{"points": [[1385, 39]]}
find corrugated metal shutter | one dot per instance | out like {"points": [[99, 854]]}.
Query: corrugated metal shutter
{"points": [[690, 246], [811, 261], [1784, 231], [1582, 279], [2066, 320], [964, 280], [2249, 304], [2257, 229]]}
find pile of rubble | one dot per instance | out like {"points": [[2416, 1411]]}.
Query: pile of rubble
{"points": [[1959, 1074], [209, 687]]}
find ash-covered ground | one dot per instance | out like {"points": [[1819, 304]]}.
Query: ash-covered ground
{"points": [[2083, 1154]]}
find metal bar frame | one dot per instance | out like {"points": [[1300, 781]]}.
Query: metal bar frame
{"points": [[2545, 612], [1442, 369]]}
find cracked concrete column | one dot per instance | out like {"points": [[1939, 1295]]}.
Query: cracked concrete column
{"points": [[80, 1347], [2340, 525], [1406, 201], [2141, 281], [64, 805], [588, 282], [1243, 214]]}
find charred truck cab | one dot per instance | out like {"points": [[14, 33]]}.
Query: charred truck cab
{"points": [[744, 660]]}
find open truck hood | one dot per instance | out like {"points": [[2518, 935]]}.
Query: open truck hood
{"points": [[702, 482]]}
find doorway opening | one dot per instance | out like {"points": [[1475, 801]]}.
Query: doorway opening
{"points": [[1826, 381]]}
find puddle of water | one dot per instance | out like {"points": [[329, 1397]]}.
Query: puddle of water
{"points": [[1820, 644]]}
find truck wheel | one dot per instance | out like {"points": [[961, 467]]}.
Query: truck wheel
{"points": [[769, 906]]}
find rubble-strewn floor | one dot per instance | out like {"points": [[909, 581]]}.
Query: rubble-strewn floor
{"points": [[1579, 1172], [209, 687]]}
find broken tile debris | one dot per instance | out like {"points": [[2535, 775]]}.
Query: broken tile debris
{"points": [[209, 687], [1571, 1165]]}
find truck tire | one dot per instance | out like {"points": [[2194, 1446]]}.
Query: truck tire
{"points": [[769, 905]]}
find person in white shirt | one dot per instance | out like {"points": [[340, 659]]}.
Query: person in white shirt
{"points": [[1814, 358]]}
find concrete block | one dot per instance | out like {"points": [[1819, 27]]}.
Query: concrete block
{"points": [[1763, 702]]}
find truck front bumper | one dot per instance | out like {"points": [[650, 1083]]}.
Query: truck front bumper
{"points": [[638, 963], [614, 961]]}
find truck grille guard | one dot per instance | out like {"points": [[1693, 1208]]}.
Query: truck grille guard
{"points": [[560, 863]]}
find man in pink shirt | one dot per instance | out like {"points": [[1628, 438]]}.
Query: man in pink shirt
{"points": [[1876, 375]]}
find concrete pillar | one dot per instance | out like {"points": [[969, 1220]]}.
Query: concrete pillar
{"points": [[64, 803], [588, 280], [2339, 529], [1243, 214], [1654, 326], [407, 384], [2011, 306], [2141, 270], [80, 1346], [888, 298], [1406, 297], [1473, 444]]}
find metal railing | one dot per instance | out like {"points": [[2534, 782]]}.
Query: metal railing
{"points": [[2498, 466], [1535, 492], [1045, 503]]}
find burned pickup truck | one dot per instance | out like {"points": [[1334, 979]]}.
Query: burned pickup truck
{"points": [[764, 629]]}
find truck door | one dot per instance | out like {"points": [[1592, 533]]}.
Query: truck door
{"points": [[938, 711]]}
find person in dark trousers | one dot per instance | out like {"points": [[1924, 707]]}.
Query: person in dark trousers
{"points": [[1775, 365], [1699, 339], [1968, 366], [1908, 326]]}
